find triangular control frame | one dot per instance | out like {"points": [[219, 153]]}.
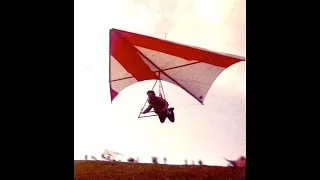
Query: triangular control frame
{"points": [[160, 93]]}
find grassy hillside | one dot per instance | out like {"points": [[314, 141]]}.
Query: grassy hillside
{"points": [[93, 170]]}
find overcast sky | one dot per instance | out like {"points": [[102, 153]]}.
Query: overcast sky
{"points": [[210, 132]]}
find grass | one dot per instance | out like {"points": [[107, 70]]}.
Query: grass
{"points": [[94, 170]]}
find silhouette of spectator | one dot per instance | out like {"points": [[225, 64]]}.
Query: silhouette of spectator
{"points": [[154, 160], [86, 157], [186, 162], [200, 162], [130, 159], [164, 160]]}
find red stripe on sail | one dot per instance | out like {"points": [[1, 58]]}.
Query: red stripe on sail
{"points": [[183, 51], [113, 93], [127, 56]]}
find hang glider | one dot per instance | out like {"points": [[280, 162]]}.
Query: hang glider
{"points": [[112, 154], [136, 57]]}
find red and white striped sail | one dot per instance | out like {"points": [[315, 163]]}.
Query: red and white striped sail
{"points": [[135, 57]]}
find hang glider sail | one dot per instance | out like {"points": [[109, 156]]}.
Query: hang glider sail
{"points": [[135, 57]]}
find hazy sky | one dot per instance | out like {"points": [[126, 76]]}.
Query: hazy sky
{"points": [[210, 132]]}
